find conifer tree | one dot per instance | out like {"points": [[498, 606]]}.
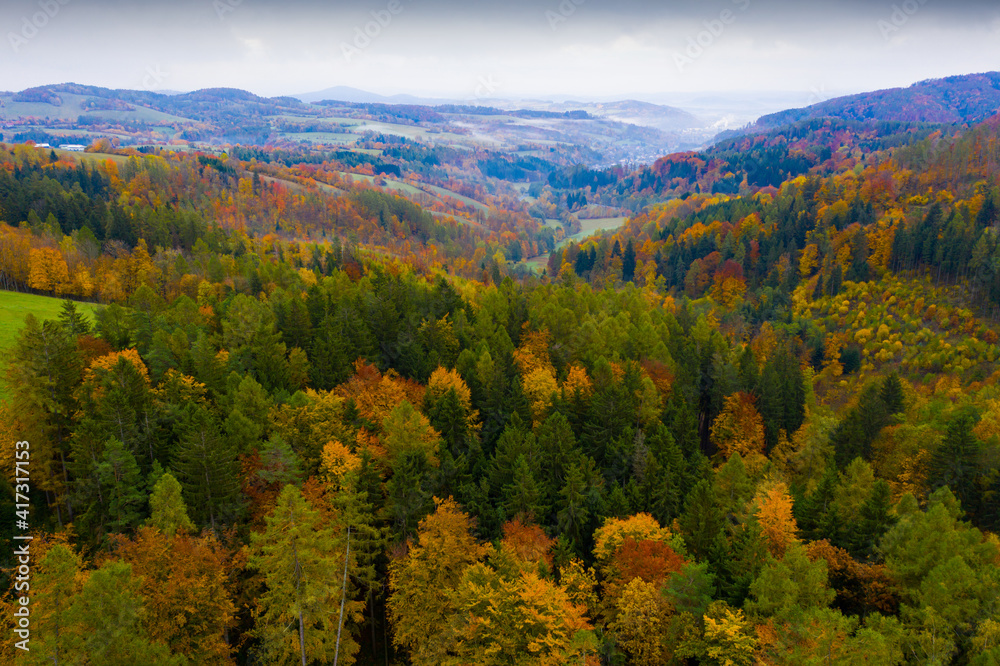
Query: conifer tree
{"points": [[53, 589], [297, 616], [955, 463], [573, 516], [167, 511], [207, 469], [107, 616]]}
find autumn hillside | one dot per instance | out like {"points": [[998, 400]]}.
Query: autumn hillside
{"points": [[316, 421]]}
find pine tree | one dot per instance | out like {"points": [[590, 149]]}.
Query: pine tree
{"points": [[73, 321], [122, 487], [450, 418], [297, 616], [43, 374], [892, 394], [407, 499], [53, 590], [628, 262], [955, 463], [573, 515], [208, 470], [329, 355], [167, 511], [107, 617], [875, 519], [702, 520], [522, 496]]}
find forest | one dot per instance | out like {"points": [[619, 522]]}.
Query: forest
{"points": [[317, 422]]}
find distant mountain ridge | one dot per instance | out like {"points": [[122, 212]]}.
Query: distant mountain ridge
{"points": [[966, 98], [358, 96]]}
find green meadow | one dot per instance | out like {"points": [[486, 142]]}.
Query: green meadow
{"points": [[14, 307]]}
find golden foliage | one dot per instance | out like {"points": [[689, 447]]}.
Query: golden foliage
{"points": [[109, 361], [375, 395], [641, 527], [739, 428], [417, 606], [336, 462], [442, 380], [809, 260], [533, 354], [577, 381], [528, 542], [727, 636], [184, 582], [639, 624], [539, 385], [580, 583], [406, 430], [48, 271], [773, 505]]}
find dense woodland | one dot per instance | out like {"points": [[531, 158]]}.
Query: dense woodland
{"points": [[747, 428]]}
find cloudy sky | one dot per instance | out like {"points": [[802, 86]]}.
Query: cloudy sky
{"points": [[498, 48]]}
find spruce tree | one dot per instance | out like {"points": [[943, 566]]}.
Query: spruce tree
{"points": [[874, 520], [297, 616], [208, 470], [955, 463], [167, 511], [573, 515], [702, 520], [522, 497]]}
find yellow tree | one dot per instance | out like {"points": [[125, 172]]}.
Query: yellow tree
{"points": [[610, 536], [419, 607], [640, 622], [184, 584], [408, 431], [443, 380], [533, 353], [297, 617], [727, 636], [773, 506], [48, 271], [739, 428], [504, 617], [539, 386]]}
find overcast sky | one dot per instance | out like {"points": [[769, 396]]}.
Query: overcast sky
{"points": [[498, 48]]}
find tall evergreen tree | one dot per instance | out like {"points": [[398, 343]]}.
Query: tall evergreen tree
{"points": [[208, 470], [297, 615], [955, 463]]}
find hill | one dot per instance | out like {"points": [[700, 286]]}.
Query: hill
{"points": [[955, 99], [758, 422]]}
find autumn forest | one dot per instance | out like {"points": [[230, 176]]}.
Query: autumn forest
{"points": [[391, 405]]}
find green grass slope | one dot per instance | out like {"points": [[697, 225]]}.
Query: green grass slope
{"points": [[14, 307]]}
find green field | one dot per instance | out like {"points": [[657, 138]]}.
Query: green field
{"points": [[14, 307], [591, 227]]}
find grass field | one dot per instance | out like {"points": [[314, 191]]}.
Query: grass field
{"points": [[591, 227], [14, 307]]}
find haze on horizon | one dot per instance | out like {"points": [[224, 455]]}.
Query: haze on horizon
{"points": [[586, 49]]}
